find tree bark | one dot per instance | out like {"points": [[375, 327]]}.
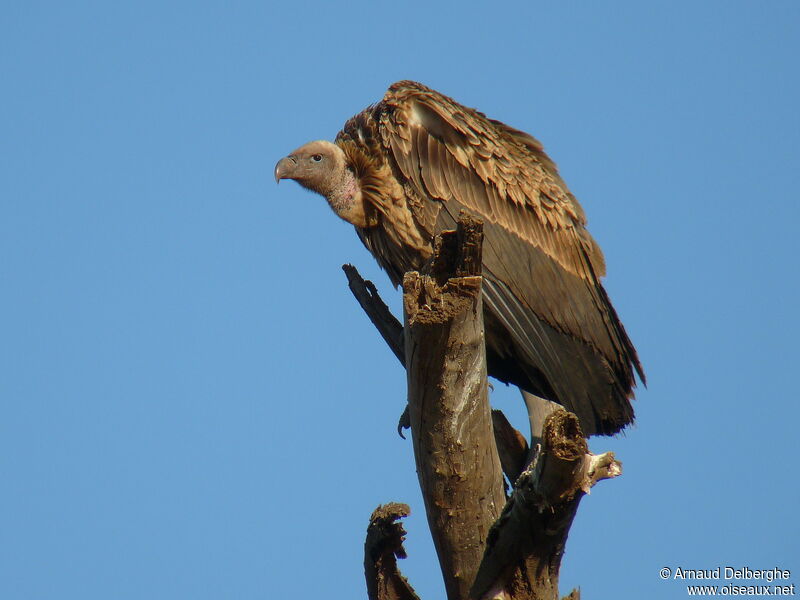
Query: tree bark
{"points": [[524, 550], [384, 545], [482, 553], [451, 424], [511, 446], [385, 322]]}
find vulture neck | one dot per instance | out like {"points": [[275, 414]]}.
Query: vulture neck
{"points": [[346, 200]]}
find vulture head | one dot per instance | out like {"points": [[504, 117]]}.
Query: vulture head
{"points": [[321, 167]]}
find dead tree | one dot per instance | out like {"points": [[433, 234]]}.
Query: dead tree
{"points": [[489, 545]]}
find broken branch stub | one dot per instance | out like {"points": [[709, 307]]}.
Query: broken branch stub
{"points": [[382, 548], [524, 551]]}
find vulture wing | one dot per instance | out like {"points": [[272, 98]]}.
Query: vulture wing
{"points": [[551, 328]]}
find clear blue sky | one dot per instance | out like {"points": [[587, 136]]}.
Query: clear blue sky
{"points": [[193, 406]]}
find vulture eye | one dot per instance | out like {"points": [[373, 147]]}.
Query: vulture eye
{"points": [[316, 157]]}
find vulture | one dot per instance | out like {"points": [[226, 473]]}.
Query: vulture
{"points": [[403, 169]]}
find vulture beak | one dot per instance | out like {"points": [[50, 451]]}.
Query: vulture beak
{"points": [[284, 168]]}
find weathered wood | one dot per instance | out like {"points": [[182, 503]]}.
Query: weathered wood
{"points": [[382, 548], [511, 446], [523, 554], [457, 463], [385, 322], [515, 556]]}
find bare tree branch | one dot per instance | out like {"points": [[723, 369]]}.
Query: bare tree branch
{"points": [[482, 553], [383, 546], [388, 326], [385, 322], [523, 554], [511, 446]]}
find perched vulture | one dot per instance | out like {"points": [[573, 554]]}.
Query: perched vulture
{"points": [[403, 169]]}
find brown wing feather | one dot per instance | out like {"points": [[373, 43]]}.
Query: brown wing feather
{"points": [[457, 152], [538, 252], [420, 158]]}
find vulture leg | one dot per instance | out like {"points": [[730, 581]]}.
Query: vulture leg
{"points": [[538, 410]]}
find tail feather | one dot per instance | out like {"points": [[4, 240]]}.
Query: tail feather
{"points": [[553, 365]]}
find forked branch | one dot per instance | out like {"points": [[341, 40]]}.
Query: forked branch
{"points": [[482, 553], [523, 554]]}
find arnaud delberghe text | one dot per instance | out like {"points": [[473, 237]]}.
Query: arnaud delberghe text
{"points": [[741, 573]]}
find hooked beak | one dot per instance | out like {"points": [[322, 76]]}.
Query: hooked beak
{"points": [[284, 168]]}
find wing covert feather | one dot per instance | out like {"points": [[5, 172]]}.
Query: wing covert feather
{"points": [[456, 153]]}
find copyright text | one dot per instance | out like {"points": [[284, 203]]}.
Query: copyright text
{"points": [[739, 581]]}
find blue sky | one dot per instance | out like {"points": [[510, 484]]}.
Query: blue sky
{"points": [[193, 405]]}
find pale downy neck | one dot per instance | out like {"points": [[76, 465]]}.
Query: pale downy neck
{"points": [[345, 199]]}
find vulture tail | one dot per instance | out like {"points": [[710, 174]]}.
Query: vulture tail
{"points": [[524, 350]]}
